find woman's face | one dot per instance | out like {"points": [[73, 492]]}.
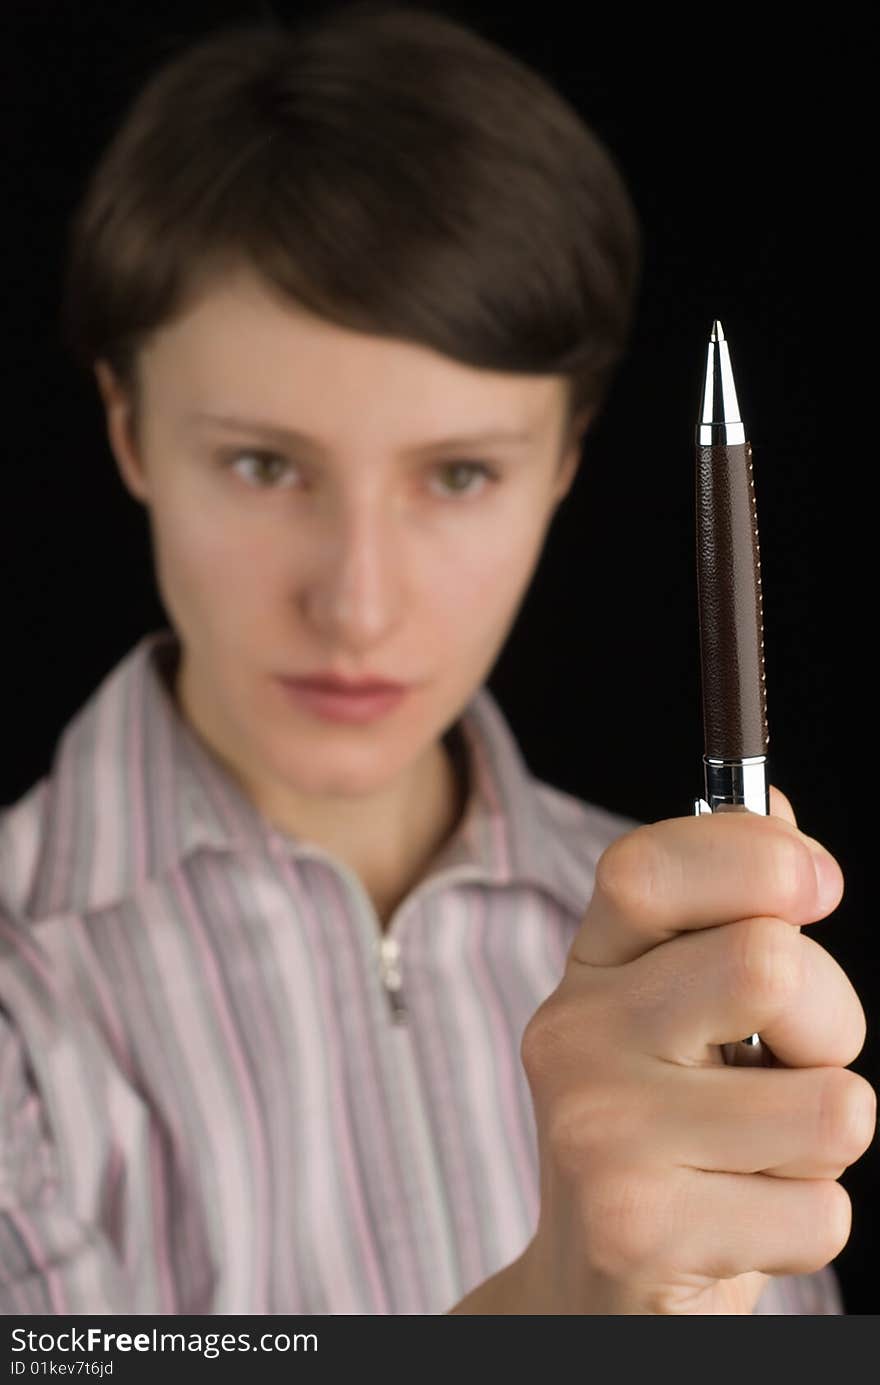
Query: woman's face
{"points": [[354, 546]]}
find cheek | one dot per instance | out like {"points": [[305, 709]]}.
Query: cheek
{"points": [[479, 587], [201, 556]]}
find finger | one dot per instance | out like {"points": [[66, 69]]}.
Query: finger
{"points": [[758, 975], [689, 873], [725, 1224], [797, 1123], [780, 806]]}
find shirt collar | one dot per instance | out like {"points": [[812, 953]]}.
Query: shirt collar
{"points": [[134, 791]]}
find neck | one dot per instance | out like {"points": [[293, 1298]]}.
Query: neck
{"points": [[441, 797], [389, 845]]}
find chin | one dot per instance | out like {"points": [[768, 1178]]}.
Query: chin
{"points": [[319, 770]]}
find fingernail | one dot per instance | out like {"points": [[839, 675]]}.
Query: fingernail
{"points": [[827, 874]]}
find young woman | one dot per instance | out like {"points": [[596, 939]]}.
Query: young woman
{"points": [[352, 293]]}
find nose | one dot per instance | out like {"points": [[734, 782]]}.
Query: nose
{"points": [[352, 594]]}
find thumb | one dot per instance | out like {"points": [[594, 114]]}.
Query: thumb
{"points": [[780, 806]]}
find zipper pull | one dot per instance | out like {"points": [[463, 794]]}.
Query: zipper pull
{"points": [[392, 980]]}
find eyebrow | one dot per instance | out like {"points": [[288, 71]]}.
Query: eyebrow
{"points": [[291, 435]]}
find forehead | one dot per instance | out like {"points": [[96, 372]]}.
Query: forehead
{"points": [[240, 347]]}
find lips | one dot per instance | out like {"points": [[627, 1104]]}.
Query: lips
{"points": [[341, 686], [329, 704]]}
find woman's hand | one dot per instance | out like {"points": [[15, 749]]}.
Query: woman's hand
{"points": [[671, 1183]]}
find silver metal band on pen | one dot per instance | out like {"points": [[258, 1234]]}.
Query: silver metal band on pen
{"points": [[736, 786]]}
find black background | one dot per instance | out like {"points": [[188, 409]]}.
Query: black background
{"points": [[727, 141]]}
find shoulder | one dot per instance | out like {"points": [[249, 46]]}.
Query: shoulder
{"points": [[22, 835], [586, 828], [70, 844], [551, 837], [568, 835]]}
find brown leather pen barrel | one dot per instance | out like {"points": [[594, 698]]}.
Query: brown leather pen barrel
{"points": [[730, 604]]}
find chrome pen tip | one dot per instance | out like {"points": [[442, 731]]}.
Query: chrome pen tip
{"points": [[719, 419]]}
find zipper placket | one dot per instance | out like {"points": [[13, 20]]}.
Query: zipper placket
{"points": [[387, 947], [392, 977]]}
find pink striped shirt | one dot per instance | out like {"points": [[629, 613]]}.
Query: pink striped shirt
{"points": [[219, 1093]]}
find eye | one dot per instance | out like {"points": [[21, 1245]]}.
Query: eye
{"points": [[473, 468], [262, 460], [268, 467]]}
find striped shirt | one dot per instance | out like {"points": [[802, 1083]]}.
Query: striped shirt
{"points": [[217, 1095]]}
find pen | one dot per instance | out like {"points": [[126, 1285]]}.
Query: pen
{"points": [[734, 691]]}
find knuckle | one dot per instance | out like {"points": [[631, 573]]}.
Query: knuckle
{"points": [[540, 1040], [768, 962], [792, 876], [621, 1222], [852, 1029], [547, 1036], [833, 1220], [590, 1125], [847, 1116], [629, 873], [860, 1027], [563, 1140], [573, 1132]]}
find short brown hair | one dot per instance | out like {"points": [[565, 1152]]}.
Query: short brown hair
{"points": [[389, 169]]}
